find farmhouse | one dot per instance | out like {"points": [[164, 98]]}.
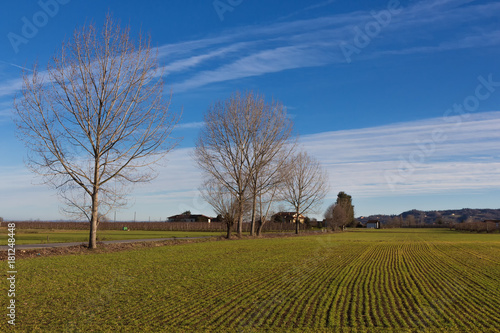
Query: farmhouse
{"points": [[373, 224], [189, 218], [288, 217]]}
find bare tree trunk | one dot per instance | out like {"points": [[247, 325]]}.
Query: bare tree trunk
{"points": [[254, 209], [229, 227], [240, 218], [297, 222], [260, 227], [263, 216], [261, 223], [93, 221]]}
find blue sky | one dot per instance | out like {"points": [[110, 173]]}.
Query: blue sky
{"points": [[398, 100]]}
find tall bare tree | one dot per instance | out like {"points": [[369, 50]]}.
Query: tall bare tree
{"points": [[336, 217], [96, 120], [241, 138], [305, 187], [329, 217], [222, 148], [271, 147]]}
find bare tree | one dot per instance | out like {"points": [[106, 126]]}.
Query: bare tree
{"points": [[97, 120], [340, 218], [271, 147], [329, 217], [306, 185], [242, 136], [224, 203], [336, 217]]}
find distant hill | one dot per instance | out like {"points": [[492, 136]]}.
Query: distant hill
{"points": [[438, 216]]}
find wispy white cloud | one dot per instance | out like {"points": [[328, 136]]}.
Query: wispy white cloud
{"points": [[491, 38], [14, 65], [320, 5], [5, 110], [358, 161], [405, 158], [268, 61], [194, 61], [10, 87], [262, 49], [192, 125], [421, 27], [5, 115]]}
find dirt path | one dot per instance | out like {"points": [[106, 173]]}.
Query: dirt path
{"points": [[77, 248], [50, 245]]}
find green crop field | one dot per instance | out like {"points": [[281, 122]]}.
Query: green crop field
{"points": [[42, 236], [360, 281]]}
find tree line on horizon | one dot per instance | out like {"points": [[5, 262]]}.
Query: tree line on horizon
{"points": [[416, 217]]}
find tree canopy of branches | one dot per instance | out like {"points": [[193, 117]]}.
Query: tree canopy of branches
{"points": [[305, 186], [96, 120], [243, 145]]}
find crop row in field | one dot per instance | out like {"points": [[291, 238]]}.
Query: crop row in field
{"points": [[369, 280]]}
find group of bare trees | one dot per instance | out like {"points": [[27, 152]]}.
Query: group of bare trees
{"points": [[247, 152], [97, 121]]}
